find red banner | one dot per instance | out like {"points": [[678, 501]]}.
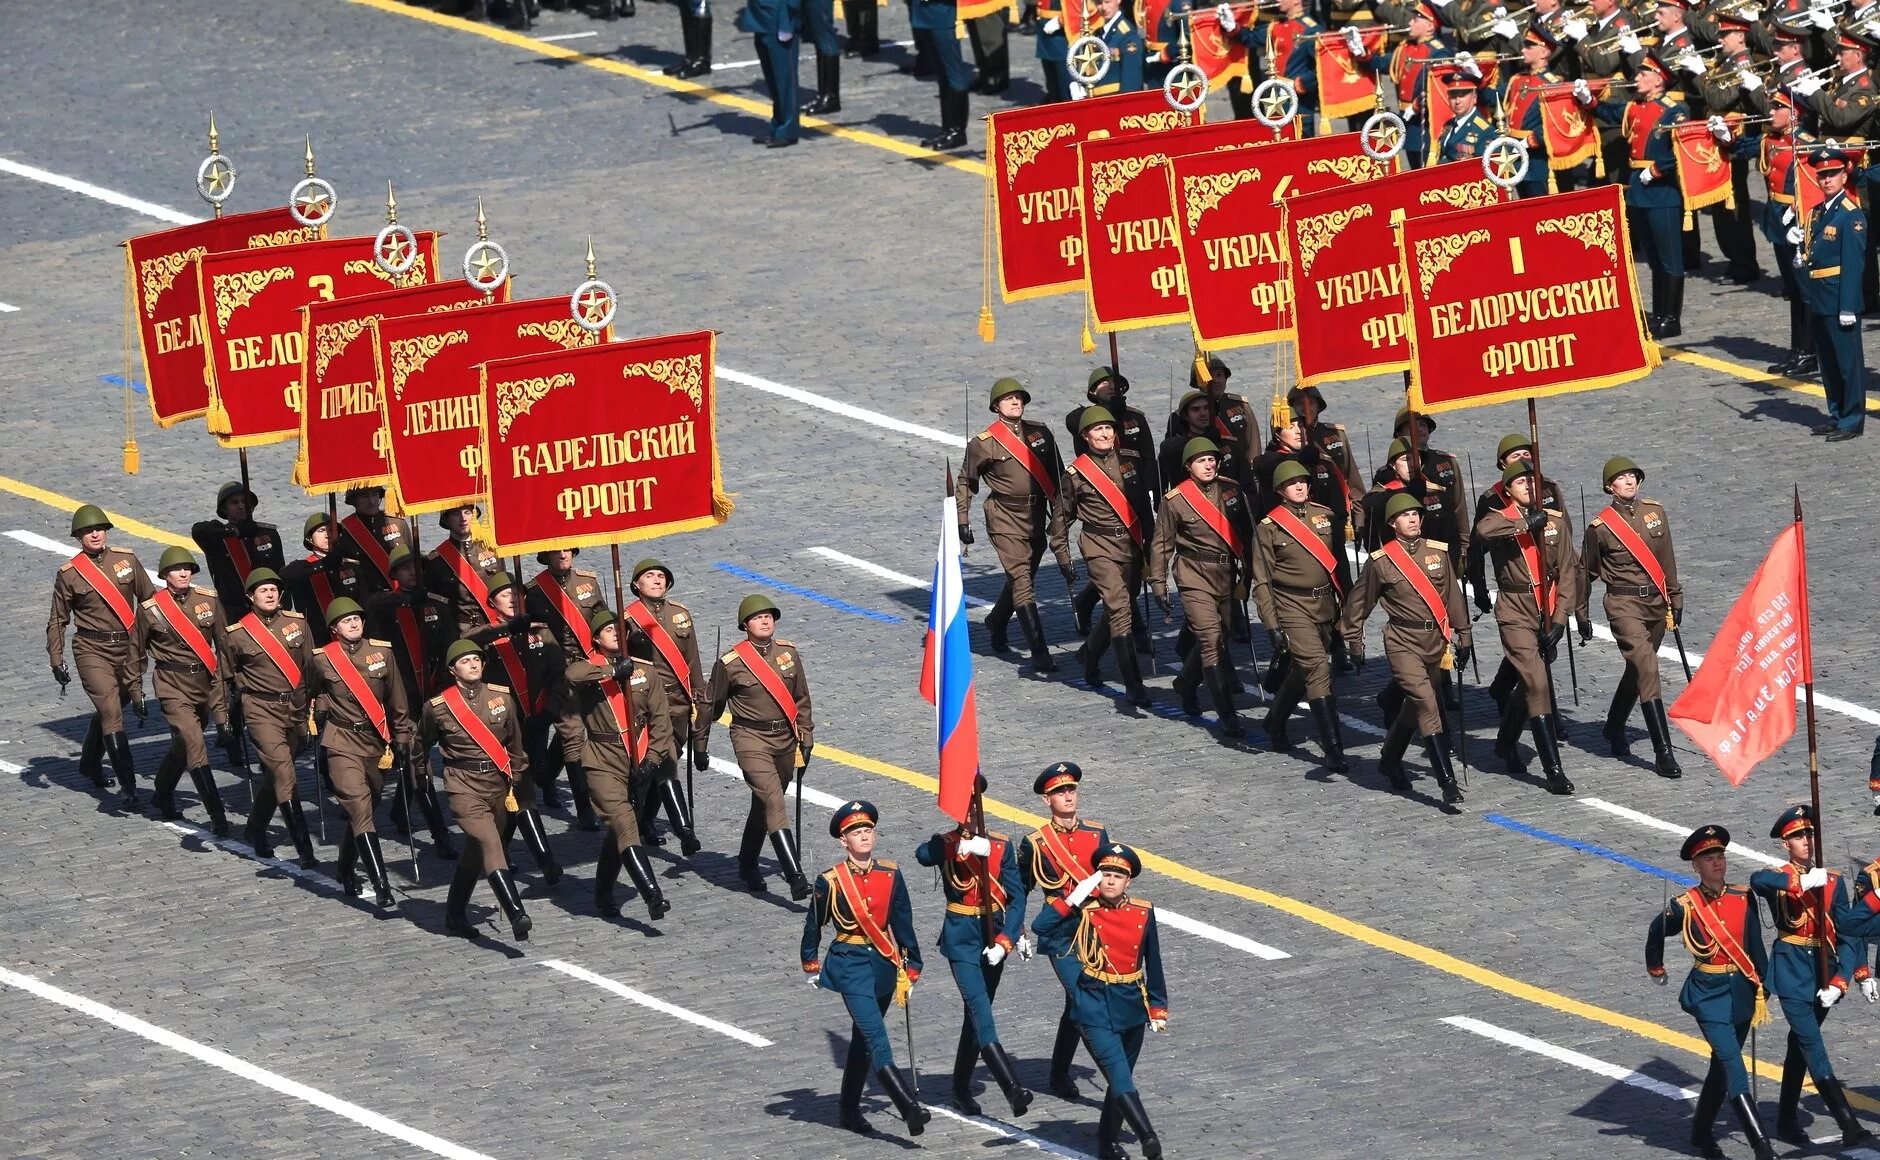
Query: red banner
{"points": [[430, 398], [1703, 170], [1740, 705], [1227, 222], [251, 302], [1345, 89], [164, 297], [1031, 182], [1221, 55], [1571, 132], [1535, 297], [342, 444], [1132, 262], [604, 445], [1341, 253]]}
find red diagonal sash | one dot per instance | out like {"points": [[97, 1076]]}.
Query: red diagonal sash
{"points": [[355, 684], [1628, 537], [1531, 556], [478, 731], [996, 897], [641, 738], [1720, 934], [1027, 458], [271, 644], [767, 677], [368, 541], [1112, 495], [518, 674], [662, 640], [113, 596], [184, 626], [1212, 516], [1439, 612], [1295, 527], [414, 644], [1062, 854], [468, 578], [570, 613], [864, 917], [238, 556]]}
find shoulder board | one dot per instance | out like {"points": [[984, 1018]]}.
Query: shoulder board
{"points": [[998, 835], [1170, 494], [829, 876], [200, 590], [1555, 512], [1437, 544], [233, 628], [884, 864], [1731, 888], [380, 643], [67, 566], [1480, 123], [1071, 469], [579, 572], [781, 641], [1142, 903], [1319, 506], [120, 551], [438, 700], [985, 434], [1652, 502], [1127, 453], [677, 605], [150, 603], [1090, 823], [295, 615], [1266, 519], [1339, 427], [728, 657], [1122, 26]]}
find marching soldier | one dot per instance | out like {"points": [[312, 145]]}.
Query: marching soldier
{"points": [[1194, 418], [1118, 992], [1325, 449], [355, 681], [1103, 491], [819, 20], [1108, 389], [1783, 147], [992, 57], [1836, 253], [180, 628], [773, 25], [629, 737], [1521, 98], [1231, 425], [565, 598], [1053, 859], [1512, 450], [1204, 532], [521, 656], [268, 651], [321, 577], [985, 907], [1724, 991], [1127, 50], [410, 617], [235, 545], [1018, 462], [1628, 547], [460, 570], [1051, 47], [1436, 481], [873, 960], [761, 680], [1538, 576], [673, 634], [98, 590], [478, 731], [368, 536], [1428, 632], [1296, 587]]}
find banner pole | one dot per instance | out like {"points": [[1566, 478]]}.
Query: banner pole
{"points": [[1823, 967], [1540, 554]]}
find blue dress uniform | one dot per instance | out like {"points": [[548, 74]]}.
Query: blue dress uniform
{"points": [[774, 24], [1723, 990], [933, 22], [1651, 195], [1521, 97], [1118, 989], [1406, 64], [1794, 976], [1127, 49], [1780, 153], [1835, 256], [1054, 860], [819, 21], [871, 954], [1051, 45], [1295, 58], [1464, 138]]}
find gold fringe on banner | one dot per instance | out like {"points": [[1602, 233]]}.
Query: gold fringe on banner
{"points": [[1089, 342], [133, 459], [988, 329]]}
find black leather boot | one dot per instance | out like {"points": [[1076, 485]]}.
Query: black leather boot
{"points": [[753, 841], [1547, 749], [1508, 737], [783, 843], [211, 797], [1852, 1131], [1389, 701], [1033, 627], [296, 821], [1704, 1116], [457, 903], [117, 747], [1623, 698], [965, 1055], [1063, 1051], [1109, 1123], [1091, 652], [583, 802], [1445, 772], [1325, 716], [641, 871], [91, 754], [854, 1077], [606, 873], [1789, 1096], [536, 839], [1658, 725], [168, 774], [1502, 685], [343, 864], [688, 37], [1188, 682], [1752, 1130], [504, 887], [1672, 324], [999, 619], [374, 860], [905, 1101], [1390, 757], [1275, 723], [1130, 1104], [865, 31], [1000, 1064], [442, 844], [828, 98], [700, 63], [256, 830], [1139, 633], [1224, 702], [1133, 689], [679, 815], [1084, 607]]}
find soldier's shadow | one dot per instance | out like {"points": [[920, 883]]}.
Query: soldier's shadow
{"points": [[721, 870], [1633, 1113]]}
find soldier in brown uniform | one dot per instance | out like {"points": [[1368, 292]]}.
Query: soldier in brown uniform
{"points": [[315, 581], [1205, 532], [1532, 547], [459, 570], [1628, 547], [1415, 580], [355, 682], [1435, 480], [672, 634], [629, 737], [1512, 449], [180, 628], [368, 537], [234, 545], [1104, 491], [565, 598], [1296, 587], [1018, 462], [1108, 389], [268, 652], [1231, 427], [478, 732], [761, 681], [1193, 418], [98, 590], [409, 617], [522, 656]]}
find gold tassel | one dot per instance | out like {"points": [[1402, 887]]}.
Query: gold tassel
{"points": [[1762, 1009], [217, 419], [510, 804], [385, 758], [988, 328], [1202, 374], [1090, 343], [1449, 659], [1553, 185], [480, 527], [1282, 412], [1599, 164], [902, 985], [721, 505], [1688, 224], [313, 728], [133, 459]]}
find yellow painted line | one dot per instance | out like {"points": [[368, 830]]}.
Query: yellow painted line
{"points": [[122, 523], [1750, 374], [760, 109]]}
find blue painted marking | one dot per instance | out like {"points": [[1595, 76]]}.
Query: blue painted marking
{"points": [[1597, 851], [118, 381], [808, 594]]}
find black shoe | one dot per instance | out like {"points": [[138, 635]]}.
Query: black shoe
{"points": [[1665, 758], [1130, 1104], [117, 747], [828, 98], [255, 833], [1844, 434], [1275, 726], [783, 844], [1852, 1130], [1825, 429], [211, 797], [780, 143], [1220, 687], [904, 1099], [1000, 1064], [1807, 364], [850, 1119], [457, 902], [504, 887], [641, 872], [1134, 691]]}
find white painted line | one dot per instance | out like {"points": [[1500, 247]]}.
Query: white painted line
{"points": [[35, 540], [1010, 1132], [1624, 1075], [660, 1005], [1632, 815], [875, 569], [566, 36], [162, 213], [836, 407], [8, 308], [364, 1117], [720, 67], [245, 851], [12, 770], [814, 797]]}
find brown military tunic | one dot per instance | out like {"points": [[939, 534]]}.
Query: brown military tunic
{"points": [[1440, 490], [1296, 594], [274, 702], [315, 581], [353, 744], [1016, 507], [1634, 607], [761, 738], [1413, 643], [609, 760], [477, 786], [1112, 551], [466, 605], [110, 666], [1517, 611], [682, 695], [583, 590], [232, 552], [189, 690], [391, 532], [1205, 564], [1474, 565]]}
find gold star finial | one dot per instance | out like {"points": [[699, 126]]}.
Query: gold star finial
{"points": [[309, 155], [590, 258], [215, 139], [483, 223], [391, 205]]}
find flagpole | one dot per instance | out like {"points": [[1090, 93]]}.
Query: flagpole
{"points": [[1823, 967]]}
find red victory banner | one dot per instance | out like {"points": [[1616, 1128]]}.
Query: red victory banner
{"points": [[1227, 222], [1703, 170], [341, 441], [1345, 89], [162, 294], [251, 302], [1132, 262], [1531, 298], [1342, 255], [1571, 132], [430, 399], [604, 445]]}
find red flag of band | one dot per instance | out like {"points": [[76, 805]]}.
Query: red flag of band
{"points": [[1740, 705], [1345, 90], [1572, 134], [1221, 55], [1703, 170]]}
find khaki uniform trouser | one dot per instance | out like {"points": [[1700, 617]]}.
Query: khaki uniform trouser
{"points": [[1017, 534], [184, 699], [1639, 628], [477, 801], [610, 787], [109, 677], [276, 732], [1415, 655], [1305, 621], [1115, 567], [768, 760]]}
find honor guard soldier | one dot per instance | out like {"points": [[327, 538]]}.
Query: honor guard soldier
{"points": [[1724, 991], [1427, 632], [1806, 981], [1468, 131], [1783, 148], [1118, 992], [478, 731], [1018, 462], [1628, 547], [819, 24], [1051, 47], [1513, 449], [268, 651], [1296, 589], [368, 536], [180, 628], [933, 24], [669, 628], [695, 26], [1835, 253], [1538, 575], [98, 590], [408, 616], [1406, 64], [1607, 48], [1231, 425], [1325, 449], [354, 680], [985, 909], [629, 738], [1127, 49], [235, 545], [565, 598], [761, 680], [460, 569], [1053, 859], [521, 656], [1204, 531], [1104, 492], [1521, 98], [1732, 86], [321, 577], [1110, 390], [873, 960], [774, 24]]}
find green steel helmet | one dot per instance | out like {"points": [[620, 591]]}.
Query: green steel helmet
{"points": [[1297, 397], [316, 520], [1189, 397], [1401, 502], [1099, 375], [353, 493], [342, 608], [600, 618], [1288, 471], [1197, 447], [1513, 472], [400, 555], [543, 557], [443, 517], [755, 603], [1397, 447], [651, 565], [176, 558], [1510, 444], [1095, 417], [497, 581], [230, 490], [1403, 418], [460, 649], [261, 576], [1619, 465], [1006, 387], [88, 517]]}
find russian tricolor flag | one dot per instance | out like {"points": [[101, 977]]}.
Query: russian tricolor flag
{"points": [[946, 675]]}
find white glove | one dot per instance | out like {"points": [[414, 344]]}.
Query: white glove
{"points": [[1870, 990], [977, 845], [1355, 41], [995, 954], [1051, 26], [1751, 82], [1691, 63], [1505, 28], [1828, 996], [1795, 239], [1720, 130], [1225, 14], [786, 36], [1820, 19], [1442, 3], [1815, 879], [1467, 64], [1574, 29], [1848, 320], [1788, 218], [1582, 92], [815, 979], [1158, 1025], [1078, 91], [1628, 42], [1644, 177], [1806, 85], [1500, 12], [1084, 890], [1025, 947], [1750, 12]]}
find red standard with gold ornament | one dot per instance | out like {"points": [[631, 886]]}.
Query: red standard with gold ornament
{"points": [[1345, 90], [1571, 132], [1517, 301], [1703, 167], [1221, 55]]}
